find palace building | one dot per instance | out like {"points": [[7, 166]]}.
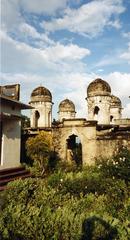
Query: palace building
{"points": [[102, 134]]}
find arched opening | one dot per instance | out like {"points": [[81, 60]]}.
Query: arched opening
{"points": [[74, 150], [111, 119], [96, 112], [37, 116]]}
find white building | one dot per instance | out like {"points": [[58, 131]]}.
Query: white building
{"points": [[10, 126], [66, 110], [102, 106], [41, 101]]}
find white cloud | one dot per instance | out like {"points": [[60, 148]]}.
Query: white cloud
{"points": [[27, 31], [68, 52], [126, 110], [126, 55], [115, 24], [10, 14], [105, 61], [19, 56], [120, 85], [11, 10], [43, 6], [90, 19], [126, 35]]}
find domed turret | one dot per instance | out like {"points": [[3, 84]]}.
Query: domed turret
{"points": [[66, 110], [99, 100], [98, 87], [115, 109], [67, 105], [41, 101], [41, 94], [115, 101]]}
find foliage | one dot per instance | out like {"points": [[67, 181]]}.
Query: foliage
{"points": [[74, 205], [39, 149], [25, 122], [117, 167]]}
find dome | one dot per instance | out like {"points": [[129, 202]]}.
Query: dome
{"points": [[98, 87], [41, 94], [115, 101], [66, 106]]}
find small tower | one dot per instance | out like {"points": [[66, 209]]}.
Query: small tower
{"points": [[41, 101], [66, 110], [99, 99], [115, 109]]}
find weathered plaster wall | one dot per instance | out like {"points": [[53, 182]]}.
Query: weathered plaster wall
{"points": [[45, 114], [106, 148], [86, 134], [15, 110], [95, 144], [103, 103], [116, 113], [10, 155], [66, 115]]}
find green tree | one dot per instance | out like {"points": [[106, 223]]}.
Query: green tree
{"points": [[39, 149]]}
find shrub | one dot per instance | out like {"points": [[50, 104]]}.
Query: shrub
{"points": [[117, 167], [39, 149], [74, 205], [32, 210]]}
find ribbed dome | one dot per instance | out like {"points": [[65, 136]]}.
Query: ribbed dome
{"points": [[41, 94], [98, 87], [66, 106], [115, 101]]}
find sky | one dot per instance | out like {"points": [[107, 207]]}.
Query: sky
{"points": [[63, 45]]}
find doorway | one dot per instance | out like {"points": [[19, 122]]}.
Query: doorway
{"points": [[74, 150]]}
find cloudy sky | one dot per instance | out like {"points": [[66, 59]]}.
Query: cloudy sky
{"points": [[64, 45]]}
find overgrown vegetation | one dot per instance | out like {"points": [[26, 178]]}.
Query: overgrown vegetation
{"points": [[39, 150], [70, 204]]}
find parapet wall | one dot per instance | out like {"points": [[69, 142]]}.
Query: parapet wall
{"points": [[123, 121]]}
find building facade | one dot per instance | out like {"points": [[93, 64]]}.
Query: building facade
{"points": [[41, 114], [99, 136], [10, 126]]}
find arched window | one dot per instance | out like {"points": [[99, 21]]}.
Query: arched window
{"points": [[111, 119], [96, 110], [37, 116], [96, 113], [74, 150]]}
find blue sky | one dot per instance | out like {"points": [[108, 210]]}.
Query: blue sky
{"points": [[64, 45]]}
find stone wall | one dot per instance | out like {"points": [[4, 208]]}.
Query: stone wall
{"points": [[86, 131], [95, 144]]}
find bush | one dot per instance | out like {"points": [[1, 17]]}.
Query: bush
{"points": [[79, 205], [39, 149], [34, 211], [117, 167]]}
